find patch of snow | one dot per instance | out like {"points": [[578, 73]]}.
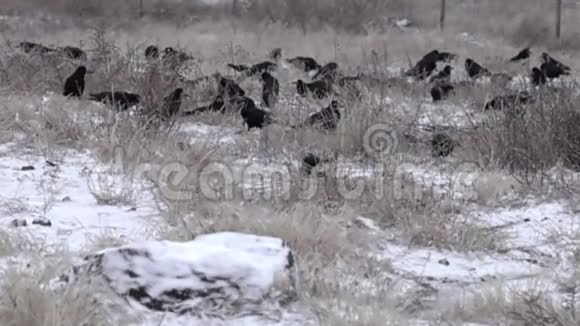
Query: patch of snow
{"points": [[539, 227], [463, 268], [62, 194]]}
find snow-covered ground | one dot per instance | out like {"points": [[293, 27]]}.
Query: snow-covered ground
{"points": [[66, 192], [62, 192]]}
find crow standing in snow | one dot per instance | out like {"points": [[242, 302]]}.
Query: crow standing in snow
{"points": [[75, 83]]}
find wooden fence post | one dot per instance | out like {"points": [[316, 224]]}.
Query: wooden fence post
{"points": [[558, 17], [442, 15]]}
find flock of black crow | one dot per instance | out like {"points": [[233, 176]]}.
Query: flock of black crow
{"points": [[326, 82], [230, 96]]}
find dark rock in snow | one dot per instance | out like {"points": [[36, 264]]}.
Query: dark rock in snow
{"points": [[42, 222]]}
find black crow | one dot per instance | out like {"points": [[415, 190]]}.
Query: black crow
{"points": [[34, 48], [253, 116], [441, 91], [424, 67], [152, 52], [75, 83], [552, 68], [307, 64], [475, 70], [522, 55], [319, 89], [546, 58], [325, 120], [73, 52], [120, 100], [441, 145], [551, 71], [326, 72], [171, 104], [538, 77], [270, 89], [229, 88], [443, 76], [511, 101]]}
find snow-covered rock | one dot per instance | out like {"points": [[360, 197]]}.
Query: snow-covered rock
{"points": [[223, 274]]}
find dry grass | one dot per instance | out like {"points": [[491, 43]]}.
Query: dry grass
{"points": [[12, 243], [29, 300]]}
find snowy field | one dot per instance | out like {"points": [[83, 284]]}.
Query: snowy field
{"points": [[103, 223]]}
